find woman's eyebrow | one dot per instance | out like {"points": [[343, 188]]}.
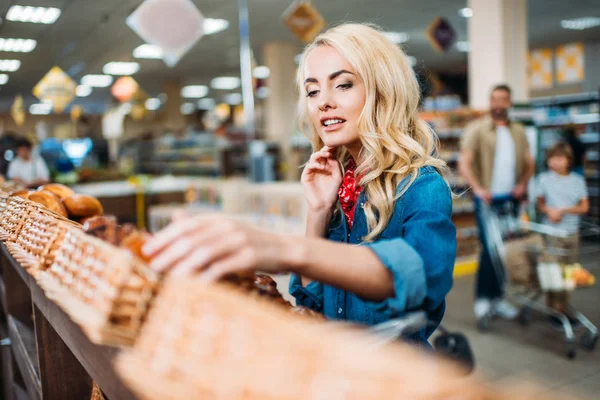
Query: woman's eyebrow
{"points": [[331, 76]]}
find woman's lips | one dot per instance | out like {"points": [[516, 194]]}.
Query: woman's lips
{"points": [[333, 127]]}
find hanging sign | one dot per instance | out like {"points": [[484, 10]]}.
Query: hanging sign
{"points": [[173, 25], [569, 63], [124, 88], [56, 87], [540, 69], [303, 19], [17, 111], [441, 35]]}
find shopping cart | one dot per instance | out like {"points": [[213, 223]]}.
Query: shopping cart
{"points": [[503, 225], [453, 346]]}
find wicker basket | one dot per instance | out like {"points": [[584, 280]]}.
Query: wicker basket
{"points": [[212, 342], [38, 241], [103, 288], [17, 214]]}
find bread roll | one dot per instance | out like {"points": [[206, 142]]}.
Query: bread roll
{"points": [[19, 193], [48, 200], [134, 243], [103, 227], [82, 206], [59, 190]]}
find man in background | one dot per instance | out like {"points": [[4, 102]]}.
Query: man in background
{"points": [[496, 162], [26, 169]]}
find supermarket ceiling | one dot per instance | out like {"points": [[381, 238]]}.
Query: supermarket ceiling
{"points": [[90, 33]]}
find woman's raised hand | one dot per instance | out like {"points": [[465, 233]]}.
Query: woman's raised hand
{"points": [[321, 179]]}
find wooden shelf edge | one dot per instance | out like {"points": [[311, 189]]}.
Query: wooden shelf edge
{"points": [[23, 345], [20, 270]]}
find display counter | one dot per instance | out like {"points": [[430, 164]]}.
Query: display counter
{"points": [[46, 355]]}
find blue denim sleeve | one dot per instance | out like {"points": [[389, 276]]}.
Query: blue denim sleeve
{"points": [[310, 296], [422, 260]]}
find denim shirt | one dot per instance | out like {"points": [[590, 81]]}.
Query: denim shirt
{"points": [[418, 246]]}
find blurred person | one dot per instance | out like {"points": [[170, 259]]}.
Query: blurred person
{"points": [[577, 147], [379, 236], [562, 198], [496, 162], [26, 169]]}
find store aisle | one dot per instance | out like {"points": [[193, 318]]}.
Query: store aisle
{"points": [[534, 353]]}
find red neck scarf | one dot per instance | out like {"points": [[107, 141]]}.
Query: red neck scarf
{"points": [[349, 191]]}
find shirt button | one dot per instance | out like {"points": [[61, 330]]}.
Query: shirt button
{"points": [[340, 310]]}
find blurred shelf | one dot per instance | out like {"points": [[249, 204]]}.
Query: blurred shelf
{"points": [[463, 209], [591, 118], [590, 137], [468, 232], [566, 99], [450, 133]]}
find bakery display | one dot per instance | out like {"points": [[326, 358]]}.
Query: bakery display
{"points": [[103, 288], [61, 191], [49, 200], [82, 206]]}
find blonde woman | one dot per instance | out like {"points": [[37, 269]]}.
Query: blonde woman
{"points": [[379, 239]]}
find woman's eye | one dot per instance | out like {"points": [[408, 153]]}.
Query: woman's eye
{"points": [[312, 93], [345, 86]]}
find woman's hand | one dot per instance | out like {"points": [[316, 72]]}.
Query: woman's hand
{"points": [[321, 179], [215, 245]]}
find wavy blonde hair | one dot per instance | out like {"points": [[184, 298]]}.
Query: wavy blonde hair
{"points": [[395, 142]]}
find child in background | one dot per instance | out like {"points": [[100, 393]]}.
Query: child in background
{"points": [[562, 197]]}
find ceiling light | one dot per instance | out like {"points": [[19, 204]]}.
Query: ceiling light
{"points": [[97, 80], [36, 15], [212, 25], [262, 92], [412, 61], [194, 91], [465, 12], [40, 109], [397, 37], [17, 45], [580, 24], [152, 104], [121, 68], [233, 98], [9, 65], [206, 104], [148, 51], [3, 79], [83, 91], [261, 72], [463, 47], [225, 83], [187, 108]]}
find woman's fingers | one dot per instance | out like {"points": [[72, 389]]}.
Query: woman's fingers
{"points": [[240, 261], [220, 247]]}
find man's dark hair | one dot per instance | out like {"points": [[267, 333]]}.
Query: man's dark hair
{"points": [[503, 87], [23, 142]]}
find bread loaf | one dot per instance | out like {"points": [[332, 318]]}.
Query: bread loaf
{"points": [[61, 191], [82, 206], [19, 193], [49, 200]]}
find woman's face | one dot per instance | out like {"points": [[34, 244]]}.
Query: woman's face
{"points": [[335, 97]]}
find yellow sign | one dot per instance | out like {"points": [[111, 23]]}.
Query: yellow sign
{"points": [[540, 69], [569, 63], [76, 112], [17, 111], [303, 19], [57, 88]]}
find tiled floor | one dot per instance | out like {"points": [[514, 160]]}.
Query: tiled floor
{"points": [[535, 353]]}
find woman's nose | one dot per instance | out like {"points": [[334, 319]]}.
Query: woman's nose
{"points": [[325, 100]]}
